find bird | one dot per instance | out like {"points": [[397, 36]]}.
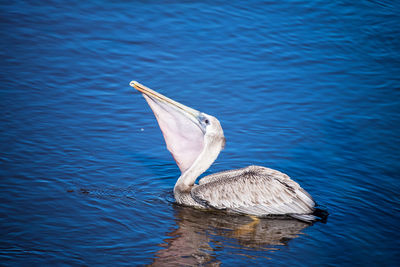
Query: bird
{"points": [[195, 140]]}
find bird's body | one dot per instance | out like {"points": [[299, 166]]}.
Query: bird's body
{"points": [[195, 140], [253, 190]]}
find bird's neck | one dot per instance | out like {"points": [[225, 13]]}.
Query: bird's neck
{"points": [[200, 165], [184, 186], [188, 178]]}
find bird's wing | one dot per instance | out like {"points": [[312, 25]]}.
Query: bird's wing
{"points": [[260, 170], [254, 190]]}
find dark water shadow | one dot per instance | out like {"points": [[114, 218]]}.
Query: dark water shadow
{"points": [[201, 234]]}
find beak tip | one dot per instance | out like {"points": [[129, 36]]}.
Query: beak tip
{"points": [[133, 83]]}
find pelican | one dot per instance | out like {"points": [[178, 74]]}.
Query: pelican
{"points": [[195, 140]]}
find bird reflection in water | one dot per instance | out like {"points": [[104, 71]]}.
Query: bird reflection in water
{"points": [[199, 235]]}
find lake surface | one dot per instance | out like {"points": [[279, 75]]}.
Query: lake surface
{"points": [[310, 88]]}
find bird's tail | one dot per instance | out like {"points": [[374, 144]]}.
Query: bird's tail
{"points": [[320, 215]]}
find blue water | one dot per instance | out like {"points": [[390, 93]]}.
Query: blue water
{"points": [[311, 88]]}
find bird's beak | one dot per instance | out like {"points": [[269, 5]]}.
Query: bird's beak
{"points": [[193, 114], [181, 126]]}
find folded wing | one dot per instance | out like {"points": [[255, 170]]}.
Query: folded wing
{"points": [[254, 190]]}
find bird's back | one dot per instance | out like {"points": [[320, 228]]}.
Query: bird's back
{"points": [[254, 190]]}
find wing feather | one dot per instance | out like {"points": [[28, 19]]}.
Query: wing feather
{"points": [[253, 190]]}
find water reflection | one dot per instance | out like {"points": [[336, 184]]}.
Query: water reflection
{"points": [[199, 235]]}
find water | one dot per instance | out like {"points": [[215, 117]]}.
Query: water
{"points": [[308, 88]]}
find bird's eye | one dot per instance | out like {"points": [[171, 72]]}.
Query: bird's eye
{"points": [[207, 121]]}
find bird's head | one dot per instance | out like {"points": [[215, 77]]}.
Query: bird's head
{"points": [[194, 138]]}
